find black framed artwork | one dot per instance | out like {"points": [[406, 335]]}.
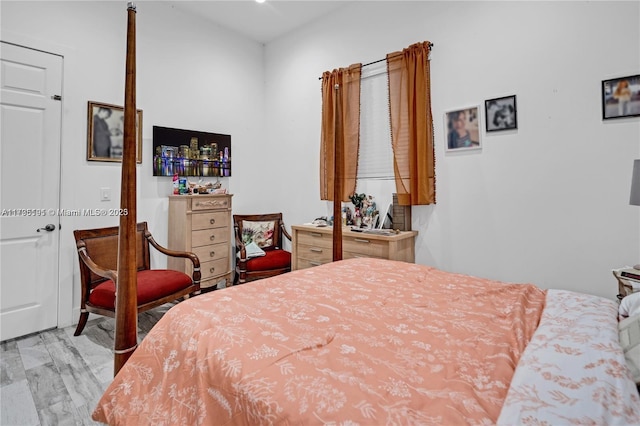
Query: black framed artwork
{"points": [[501, 113], [621, 97]]}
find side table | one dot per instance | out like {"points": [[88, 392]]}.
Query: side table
{"points": [[626, 286]]}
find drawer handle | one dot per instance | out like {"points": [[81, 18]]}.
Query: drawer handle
{"points": [[316, 234], [211, 238], [212, 221], [212, 269], [315, 250], [360, 240], [315, 263], [210, 203], [212, 254]]}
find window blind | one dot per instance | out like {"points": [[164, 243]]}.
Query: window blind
{"points": [[375, 155]]}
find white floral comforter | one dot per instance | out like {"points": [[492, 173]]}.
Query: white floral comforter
{"points": [[573, 371]]}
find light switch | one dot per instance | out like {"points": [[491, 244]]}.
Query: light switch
{"points": [[105, 194]]}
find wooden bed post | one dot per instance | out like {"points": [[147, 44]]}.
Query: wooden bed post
{"points": [[338, 161], [126, 333]]}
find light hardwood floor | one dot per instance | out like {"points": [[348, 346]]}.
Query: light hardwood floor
{"points": [[55, 378]]}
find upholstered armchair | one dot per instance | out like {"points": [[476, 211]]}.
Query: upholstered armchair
{"points": [[259, 249], [98, 256]]}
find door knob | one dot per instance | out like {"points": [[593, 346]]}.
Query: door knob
{"points": [[50, 227]]}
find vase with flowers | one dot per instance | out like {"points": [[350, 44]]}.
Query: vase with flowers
{"points": [[366, 210], [357, 200]]}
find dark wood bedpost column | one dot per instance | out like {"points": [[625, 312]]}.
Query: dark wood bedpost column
{"points": [[126, 333], [338, 163]]}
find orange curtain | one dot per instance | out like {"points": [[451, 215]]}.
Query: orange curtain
{"points": [[348, 80], [412, 124]]}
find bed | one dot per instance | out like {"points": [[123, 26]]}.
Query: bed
{"points": [[373, 342]]}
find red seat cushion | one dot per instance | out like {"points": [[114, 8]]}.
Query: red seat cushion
{"points": [[273, 259], [152, 285]]}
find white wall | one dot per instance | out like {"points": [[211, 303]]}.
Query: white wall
{"points": [[546, 204], [190, 75]]}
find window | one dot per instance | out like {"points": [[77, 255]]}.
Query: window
{"points": [[375, 156]]}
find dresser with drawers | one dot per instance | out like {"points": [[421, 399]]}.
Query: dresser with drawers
{"points": [[312, 245], [202, 224]]}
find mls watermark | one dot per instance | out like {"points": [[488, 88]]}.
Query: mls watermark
{"points": [[62, 212]]}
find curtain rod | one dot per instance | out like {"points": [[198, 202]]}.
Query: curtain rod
{"points": [[384, 59]]}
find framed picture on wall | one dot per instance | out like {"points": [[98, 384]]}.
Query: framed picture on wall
{"points": [[501, 114], [463, 130], [621, 97], [105, 132]]}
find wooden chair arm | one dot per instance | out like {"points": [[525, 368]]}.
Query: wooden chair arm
{"points": [[284, 231], [240, 248], [243, 253], [95, 268], [196, 275], [173, 253]]}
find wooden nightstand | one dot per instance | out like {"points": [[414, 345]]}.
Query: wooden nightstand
{"points": [[626, 286]]}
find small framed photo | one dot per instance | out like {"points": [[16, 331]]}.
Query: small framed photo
{"points": [[621, 97], [105, 132], [463, 131], [501, 113]]}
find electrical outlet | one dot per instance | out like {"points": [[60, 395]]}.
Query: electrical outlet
{"points": [[105, 194]]}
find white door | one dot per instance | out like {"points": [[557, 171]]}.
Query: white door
{"points": [[29, 189]]}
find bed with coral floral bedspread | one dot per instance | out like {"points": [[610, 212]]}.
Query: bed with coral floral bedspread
{"points": [[373, 342]]}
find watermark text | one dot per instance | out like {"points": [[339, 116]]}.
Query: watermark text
{"points": [[62, 212]]}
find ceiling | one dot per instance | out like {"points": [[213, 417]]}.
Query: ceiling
{"points": [[261, 22]]}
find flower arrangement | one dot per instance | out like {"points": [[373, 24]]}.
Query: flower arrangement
{"points": [[357, 199], [366, 211]]}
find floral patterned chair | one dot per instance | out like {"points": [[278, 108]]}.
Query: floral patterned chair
{"points": [[269, 258]]}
